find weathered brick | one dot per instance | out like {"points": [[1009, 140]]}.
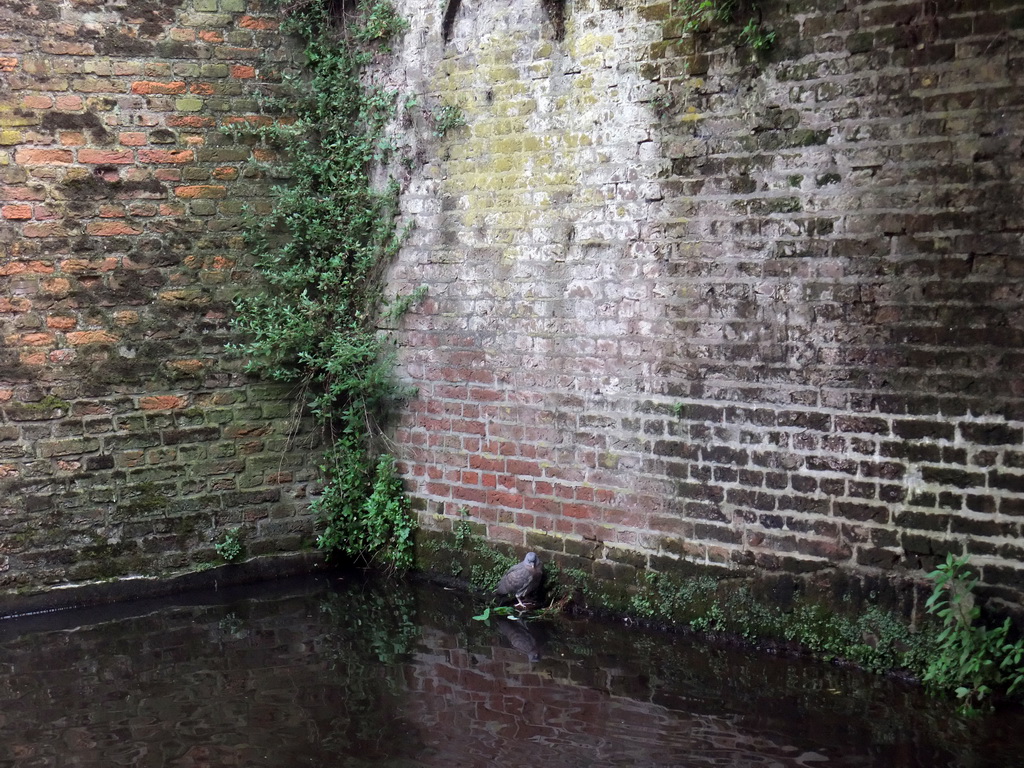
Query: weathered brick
{"points": [[16, 212], [923, 430], [82, 338], [992, 434], [68, 447], [152, 87], [106, 156], [25, 156]]}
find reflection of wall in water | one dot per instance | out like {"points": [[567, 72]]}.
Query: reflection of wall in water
{"points": [[356, 675]]}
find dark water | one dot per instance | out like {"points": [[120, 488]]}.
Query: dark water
{"points": [[341, 672]]}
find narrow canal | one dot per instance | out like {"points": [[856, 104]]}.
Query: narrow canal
{"points": [[338, 671]]}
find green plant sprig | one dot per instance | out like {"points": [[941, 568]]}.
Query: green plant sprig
{"points": [[972, 659], [230, 546]]}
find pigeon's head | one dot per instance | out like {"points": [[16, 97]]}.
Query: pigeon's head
{"points": [[531, 558]]}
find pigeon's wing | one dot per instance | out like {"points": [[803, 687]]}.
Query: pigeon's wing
{"points": [[511, 581]]}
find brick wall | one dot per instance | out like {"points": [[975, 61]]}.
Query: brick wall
{"points": [[685, 304], [128, 440]]}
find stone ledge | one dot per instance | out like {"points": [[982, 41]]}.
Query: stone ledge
{"points": [[62, 598]]}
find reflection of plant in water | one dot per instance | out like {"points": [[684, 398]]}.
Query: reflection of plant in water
{"points": [[382, 623], [369, 633], [231, 625]]}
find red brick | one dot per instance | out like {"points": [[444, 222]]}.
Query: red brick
{"points": [[58, 286], [189, 367], [15, 212], [162, 402], [126, 68], [166, 155], [143, 209], [190, 121], [61, 322], [504, 533], [157, 87], [582, 511], [111, 228], [133, 138], [23, 193], [106, 156], [49, 229], [37, 101], [243, 71], [66, 48], [253, 22], [38, 339], [504, 499], [202, 191], [78, 266], [72, 138], [81, 338], [44, 157], [112, 212], [15, 305], [69, 102]]}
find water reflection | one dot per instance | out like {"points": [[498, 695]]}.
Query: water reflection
{"points": [[342, 672]]}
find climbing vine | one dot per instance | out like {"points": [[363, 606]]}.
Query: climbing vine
{"points": [[322, 253]]}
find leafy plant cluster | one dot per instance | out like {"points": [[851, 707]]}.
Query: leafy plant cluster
{"points": [[322, 253], [698, 14], [964, 655], [971, 658], [447, 117], [230, 545], [874, 639]]}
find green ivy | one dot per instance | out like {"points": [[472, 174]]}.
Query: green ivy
{"points": [[322, 252]]}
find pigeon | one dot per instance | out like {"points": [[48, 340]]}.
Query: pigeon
{"points": [[521, 580]]}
